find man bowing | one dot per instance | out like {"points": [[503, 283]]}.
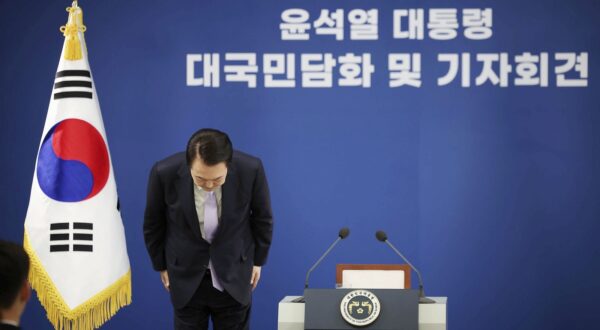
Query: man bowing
{"points": [[208, 226]]}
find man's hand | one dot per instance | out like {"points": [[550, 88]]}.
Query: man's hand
{"points": [[164, 277], [255, 276]]}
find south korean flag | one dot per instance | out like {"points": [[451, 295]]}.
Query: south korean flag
{"points": [[73, 229]]}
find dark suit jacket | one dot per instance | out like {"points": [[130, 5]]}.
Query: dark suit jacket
{"points": [[172, 231], [4, 326]]}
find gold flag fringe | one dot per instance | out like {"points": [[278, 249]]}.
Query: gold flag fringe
{"points": [[89, 315], [71, 31]]}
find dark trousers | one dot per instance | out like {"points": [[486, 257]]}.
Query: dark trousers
{"points": [[226, 313]]}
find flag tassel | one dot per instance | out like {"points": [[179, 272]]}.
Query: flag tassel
{"points": [[71, 31], [90, 315]]}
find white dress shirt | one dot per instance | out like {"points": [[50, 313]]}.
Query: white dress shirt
{"points": [[199, 198]]}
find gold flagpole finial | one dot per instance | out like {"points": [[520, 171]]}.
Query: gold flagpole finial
{"points": [[71, 32]]}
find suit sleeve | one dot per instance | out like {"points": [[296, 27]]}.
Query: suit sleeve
{"points": [[155, 221], [261, 217]]}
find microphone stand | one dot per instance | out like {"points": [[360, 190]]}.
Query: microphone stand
{"points": [[319, 261]]}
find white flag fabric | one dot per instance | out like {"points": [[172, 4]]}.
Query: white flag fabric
{"points": [[73, 229]]}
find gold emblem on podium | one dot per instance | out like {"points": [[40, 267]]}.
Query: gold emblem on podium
{"points": [[360, 308]]}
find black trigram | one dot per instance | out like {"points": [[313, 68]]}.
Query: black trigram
{"points": [[73, 84], [81, 234]]}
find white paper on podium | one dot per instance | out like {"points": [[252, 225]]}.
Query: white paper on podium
{"points": [[372, 279]]}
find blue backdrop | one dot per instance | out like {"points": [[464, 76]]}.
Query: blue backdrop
{"points": [[492, 192]]}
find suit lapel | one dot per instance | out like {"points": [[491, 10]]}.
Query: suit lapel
{"points": [[230, 197], [185, 191]]}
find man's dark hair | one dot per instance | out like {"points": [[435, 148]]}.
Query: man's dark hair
{"points": [[211, 145], [14, 267]]}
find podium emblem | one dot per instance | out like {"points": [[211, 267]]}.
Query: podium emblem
{"points": [[360, 308]]}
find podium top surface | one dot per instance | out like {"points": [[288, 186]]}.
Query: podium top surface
{"points": [[438, 300]]}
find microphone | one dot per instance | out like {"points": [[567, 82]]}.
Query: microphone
{"points": [[382, 237], [344, 232]]}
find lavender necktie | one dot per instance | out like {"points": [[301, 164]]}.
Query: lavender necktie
{"points": [[211, 222]]}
